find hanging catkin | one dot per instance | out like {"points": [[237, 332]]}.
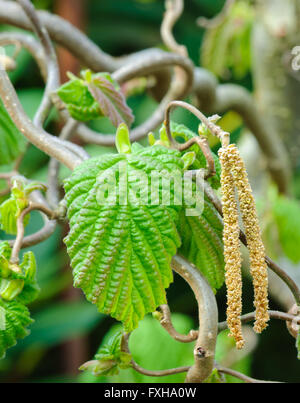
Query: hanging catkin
{"points": [[232, 255], [255, 245]]}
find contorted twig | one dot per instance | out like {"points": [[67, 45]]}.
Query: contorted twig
{"points": [[218, 19], [174, 9], [167, 324], [53, 81], [201, 140], [149, 372], [20, 227], [37, 136]]}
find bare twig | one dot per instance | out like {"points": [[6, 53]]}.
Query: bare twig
{"points": [[141, 370], [167, 324], [208, 122], [218, 19], [51, 62], [39, 137], [174, 9], [20, 227], [249, 317], [39, 236], [241, 376]]}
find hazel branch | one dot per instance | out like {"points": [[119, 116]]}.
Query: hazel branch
{"points": [[241, 376], [174, 9], [53, 81], [37, 136]]}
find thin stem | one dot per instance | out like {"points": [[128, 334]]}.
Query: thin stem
{"points": [[167, 324], [174, 9], [241, 376], [249, 317], [39, 236], [147, 372], [53, 81], [214, 129], [218, 19], [21, 229]]}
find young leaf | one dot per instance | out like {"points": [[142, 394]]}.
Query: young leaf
{"points": [[121, 247], [110, 358], [12, 143], [202, 243], [17, 281], [122, 139], [110, 99], [17, 318], [79, 101], [11, 208], [31, 289], [94, 96]]}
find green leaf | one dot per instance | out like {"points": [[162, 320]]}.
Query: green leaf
{"points": [[110, 358], [202, 243], [5, 252], [31, 289], [121, 249], [12, 143], [11, 208], [79, 101], [17, 318], [286, 213], [182, 134]]}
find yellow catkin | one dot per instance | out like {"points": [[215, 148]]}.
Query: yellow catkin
{"points": [[258, 266], [232, 255]]}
